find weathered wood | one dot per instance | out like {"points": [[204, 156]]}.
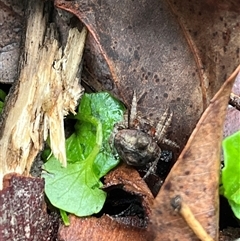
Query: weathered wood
{"points": [[46, 90], [23, 210]]}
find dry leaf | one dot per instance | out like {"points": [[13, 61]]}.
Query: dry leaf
{"points": [[95, 229], [128, 179], [195, 176], [140, 46], [214, 31]]}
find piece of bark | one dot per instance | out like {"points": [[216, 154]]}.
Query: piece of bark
{"points": [[128, 179], [23, 210], [46, 90]]}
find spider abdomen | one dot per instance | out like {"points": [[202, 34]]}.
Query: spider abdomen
{"points": [[135, 147]]}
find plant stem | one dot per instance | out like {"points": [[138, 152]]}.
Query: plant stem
{"points": [[99, 137]]}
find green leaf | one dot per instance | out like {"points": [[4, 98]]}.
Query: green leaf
{"points": [[1, 106], [74, 189], [77, 188], [2, 95], [2, 99], [235, 208], [108, 111], [231, 172]]}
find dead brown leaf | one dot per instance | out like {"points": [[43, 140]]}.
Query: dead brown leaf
{"points": [[180, 61], [195, 175], [139, 45], [128, 179], [95, 229], [213, 27]]}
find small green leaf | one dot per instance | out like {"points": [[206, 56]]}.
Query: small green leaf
{"points": [[235, 208], [1, 106], [73, 189], [2, 95], [77, 188], [108, 111], [74, 149], [231, 172], [2, 99]]}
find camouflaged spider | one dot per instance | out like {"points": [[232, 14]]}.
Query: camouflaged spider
{"points": [[137, 141]]}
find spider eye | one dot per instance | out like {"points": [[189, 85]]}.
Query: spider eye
{"points": [[142, 142]]}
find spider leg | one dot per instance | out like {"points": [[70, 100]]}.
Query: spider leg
{"points": [[118, 126], [170, 143], [163, 125], [133, 111], [152, 168]]}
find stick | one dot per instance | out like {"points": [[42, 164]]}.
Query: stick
{"points": [[179, 205]]}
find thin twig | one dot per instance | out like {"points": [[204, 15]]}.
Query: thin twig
{"points": [[179, 205]]}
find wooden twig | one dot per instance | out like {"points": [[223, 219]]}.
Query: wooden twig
{"points": [[179, 205], [47, 89]]}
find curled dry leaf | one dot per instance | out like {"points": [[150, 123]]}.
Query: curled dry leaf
{"points": [[95, 229], [24, 210], [139, 46], [195, 176], [129, 180], [114, 227]]}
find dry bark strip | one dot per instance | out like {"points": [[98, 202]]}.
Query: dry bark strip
{"points": [[46, 90]]}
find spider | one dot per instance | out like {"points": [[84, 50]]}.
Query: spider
{"points": [[137, 141]]}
